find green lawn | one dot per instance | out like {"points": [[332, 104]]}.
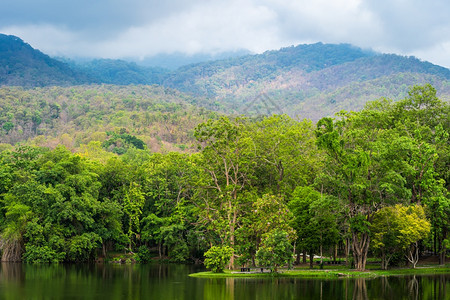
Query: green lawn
{"points": [[331, 272]]}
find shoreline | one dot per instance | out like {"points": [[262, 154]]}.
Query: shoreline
{"points": [[328, 273]]}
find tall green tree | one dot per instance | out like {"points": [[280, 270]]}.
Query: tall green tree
{"points": [[228, 160]]}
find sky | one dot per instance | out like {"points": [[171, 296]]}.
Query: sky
{"points": [[143, 28]]}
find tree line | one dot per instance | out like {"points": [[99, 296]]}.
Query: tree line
{"points": [[258, 191]]}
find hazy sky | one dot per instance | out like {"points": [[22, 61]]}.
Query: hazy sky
{"points": [[140, 28]]}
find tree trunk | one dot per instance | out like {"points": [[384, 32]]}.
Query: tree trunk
{"points": [[385, 260], [335, 253], [442, 251], [304, 256], [104, 250], [311, 259], [347, 250], [321, 256], [159, 250], [413, 254], [360, 245]]}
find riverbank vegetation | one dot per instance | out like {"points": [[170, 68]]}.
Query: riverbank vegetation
{"points": [[374, 182]]}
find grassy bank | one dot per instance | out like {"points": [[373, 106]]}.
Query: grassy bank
{"points": [[330, 273]]}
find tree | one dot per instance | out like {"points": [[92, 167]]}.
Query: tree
{"points": [[356, 171], [286, 154], [314, 220], [268, 213], [413, 226], [217, 258], [133, 203], [276, 250], [228, 162], [384, 233], [168, 215], [398, 229]]}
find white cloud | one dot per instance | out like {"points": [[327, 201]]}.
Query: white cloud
{"points": [[142, 28]]}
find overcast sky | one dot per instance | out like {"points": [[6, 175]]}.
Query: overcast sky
{"points": [[142, 28]]}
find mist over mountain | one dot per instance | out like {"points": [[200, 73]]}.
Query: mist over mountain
{"points": [[173, 61]]}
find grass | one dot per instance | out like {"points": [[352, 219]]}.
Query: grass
{"points": [[340, 272]]}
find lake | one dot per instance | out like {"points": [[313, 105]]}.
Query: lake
{"points": [[155, 281]]}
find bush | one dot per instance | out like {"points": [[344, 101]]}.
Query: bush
{"points": [[217, 258], [36, 254], [179, 253], [143, 255]]}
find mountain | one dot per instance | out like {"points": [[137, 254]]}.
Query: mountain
{"points": [[309, 81], [306, 81], [22, 65]]}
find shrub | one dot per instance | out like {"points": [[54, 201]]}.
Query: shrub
{"points": [[217, 258]]}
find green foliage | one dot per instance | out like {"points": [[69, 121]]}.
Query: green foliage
{"points": [[133, 204], [143, 254], [42, 254], [276, 250], [217, 258], [120, 142], [397, 229], [82, 247]]}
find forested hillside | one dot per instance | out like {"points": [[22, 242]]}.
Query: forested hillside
{"points": [[162, 118]]}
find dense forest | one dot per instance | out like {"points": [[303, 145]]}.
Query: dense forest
{"points": [[367, 183], [77, 116]]}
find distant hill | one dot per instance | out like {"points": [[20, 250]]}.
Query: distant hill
{"points": [[21, 65], [120, 72], [308, 81], [74, 116]]}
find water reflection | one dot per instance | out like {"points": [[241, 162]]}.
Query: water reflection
{"points": [[110, 281]]}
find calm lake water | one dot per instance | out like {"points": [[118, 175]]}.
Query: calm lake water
{"points": [[111, 281]]}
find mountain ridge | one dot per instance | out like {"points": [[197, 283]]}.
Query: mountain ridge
{"points": [[22, 65], [295, 78]]}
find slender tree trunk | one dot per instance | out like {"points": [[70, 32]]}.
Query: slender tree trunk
{"points": [[347, 250], [434, 242], [442, 251], [159, 250], [104, 250], [232, 238], [335, 252], [321, 256], [311, 259], [304, 256]]}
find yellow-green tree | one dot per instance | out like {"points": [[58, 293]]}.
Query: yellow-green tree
{"points": [[397, 229]]}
